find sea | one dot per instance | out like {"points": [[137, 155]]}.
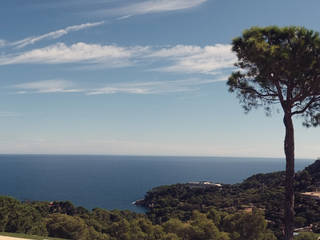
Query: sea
{"points": [[114, 182]]}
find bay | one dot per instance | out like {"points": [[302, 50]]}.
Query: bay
{"points": [[114, 182]]}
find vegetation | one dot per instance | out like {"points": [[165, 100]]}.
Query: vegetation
{"points": [[280, 65], [307, 236], [63, 220], [260, 191], [251, 210], [26, 236]]}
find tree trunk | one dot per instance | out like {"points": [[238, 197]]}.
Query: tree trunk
{"points": [[289, 188]]}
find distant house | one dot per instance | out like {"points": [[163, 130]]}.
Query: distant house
{"points": [[203, 184], [314, 195]]}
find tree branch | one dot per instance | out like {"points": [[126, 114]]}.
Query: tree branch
{"points": [[312, 100], [259, 94]]}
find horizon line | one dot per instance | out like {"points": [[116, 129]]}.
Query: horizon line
{"points": [[151, 155]]}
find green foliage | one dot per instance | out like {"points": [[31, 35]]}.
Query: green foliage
{"points": [[279, 65], [64, 226], [27, 236], [300, 221], [200, 227], [99, 224], [204, 228], [20, 218], [264, 191], [7, 205], [306, 236], [247, 226]]}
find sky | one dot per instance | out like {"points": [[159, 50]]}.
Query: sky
{"points": [[137, 77]]}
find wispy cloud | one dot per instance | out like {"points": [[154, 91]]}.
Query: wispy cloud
{"points": [[119, 8], [47, 86], [155, 87], [53, 35], [179, 58], [2, 42], [152, 6], [143, 87], [70, 4], [195, 59], [76, 53]]}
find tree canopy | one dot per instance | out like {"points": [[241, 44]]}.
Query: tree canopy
{"points": [[279, 65], [63, 220]]}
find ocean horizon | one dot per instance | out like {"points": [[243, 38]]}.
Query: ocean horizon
{"points": [[115, 181]]}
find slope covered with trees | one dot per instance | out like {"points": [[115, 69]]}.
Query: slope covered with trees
{"points": [[63, 220], [260, 191]]}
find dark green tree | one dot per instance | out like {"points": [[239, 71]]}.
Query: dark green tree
{"points": [[280, 66], [247, 226]]}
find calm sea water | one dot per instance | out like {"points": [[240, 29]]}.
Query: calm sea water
{"points": [[114, 182]]}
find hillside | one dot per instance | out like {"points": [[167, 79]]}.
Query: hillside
{"points": [[262, 191]]}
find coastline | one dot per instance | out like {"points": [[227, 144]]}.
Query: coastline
{"points": [[49, 178]]}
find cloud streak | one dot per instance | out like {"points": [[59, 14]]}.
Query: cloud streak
{"points": [[51, 35], [155, 87], [152, 6], [180, 58], [137, 88], [3, 43], [195, 59], [119, 8], [76, 53], [47, 86]]}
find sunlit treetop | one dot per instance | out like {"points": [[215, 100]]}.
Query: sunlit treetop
{"points": [[279, 65]]}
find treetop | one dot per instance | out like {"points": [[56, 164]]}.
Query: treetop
{"points": [[279, 65]]}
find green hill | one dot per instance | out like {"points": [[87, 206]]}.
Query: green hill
{"points": [[261, 191]]}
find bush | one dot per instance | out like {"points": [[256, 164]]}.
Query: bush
{"points": [[306, 236], [64, 226]]}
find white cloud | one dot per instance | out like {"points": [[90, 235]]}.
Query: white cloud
{"points": [[47, 86], [78, 52], [154, 87], [177, 51], [120, 8], [145, 87], [113, 90], [195, 59], [54, 35], [153, 6], [179, 58]]}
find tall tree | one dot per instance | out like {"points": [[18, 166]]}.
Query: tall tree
{"points": [[280, 66]]}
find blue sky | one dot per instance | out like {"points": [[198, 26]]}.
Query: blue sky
{"points": [[141, 77]]}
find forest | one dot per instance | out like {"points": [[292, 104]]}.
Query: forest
{"points": [[64, 220], [264, 192]]}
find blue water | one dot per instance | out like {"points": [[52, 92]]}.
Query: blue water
{"points": [[114, 182]]}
